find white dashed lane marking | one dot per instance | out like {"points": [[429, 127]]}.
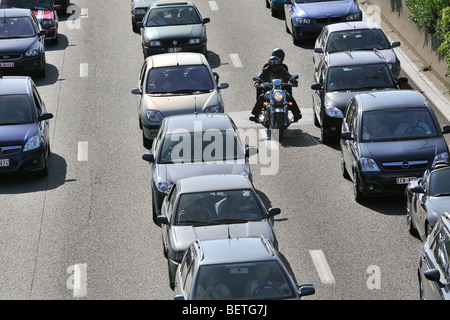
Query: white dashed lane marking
{"points": [[322, 267], [82, 151], [213, 5]]}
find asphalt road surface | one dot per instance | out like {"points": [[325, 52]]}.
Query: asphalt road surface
{"points": [[86, 232]]}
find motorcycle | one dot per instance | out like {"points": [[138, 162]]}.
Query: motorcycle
{"points": [[274, 114]]}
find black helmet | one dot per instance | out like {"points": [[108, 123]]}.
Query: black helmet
{"points": [[274, 61], [277, 52]]}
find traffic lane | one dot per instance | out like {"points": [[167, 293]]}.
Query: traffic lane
{"points": [[319, 213]]}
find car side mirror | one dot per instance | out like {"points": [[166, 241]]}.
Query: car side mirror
{"points": [[43, 33], [149, 157], [257, 79], [417, 189], [395, 44], [432, 275], [306, 290], [45, 116], [206, 20], [346, 135], [57, 7], [162, 219], [402, 80], [316, 86], [223, 86], [318, 50], [273, 212], [136, 91], [446, 129], [250, 151]]}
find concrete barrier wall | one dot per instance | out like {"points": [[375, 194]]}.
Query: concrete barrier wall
{"points": [[395, 14]]}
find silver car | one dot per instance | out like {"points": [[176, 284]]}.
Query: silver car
{"points": [[172, 84], [211, 207], [236, 269], [193, 145], [353, 36]]}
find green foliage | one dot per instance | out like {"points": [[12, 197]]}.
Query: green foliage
{"points": [[443, 33], [426, 13]]}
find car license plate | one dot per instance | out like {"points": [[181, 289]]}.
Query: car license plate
{"points": [[4, 163], [405, 180], [175, 49], [6, 64]]}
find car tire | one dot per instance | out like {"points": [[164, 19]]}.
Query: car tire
{"points": [[421, 292], [324, 137], [171, 276], [316, 121], [343, 168], [267, 4], [295, 41], [146, 142], [44, 171], [357, 194], [286, 26]]}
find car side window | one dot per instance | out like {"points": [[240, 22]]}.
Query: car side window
{"points": [[187, 270], [37, 101], [350, 114], [321, 73], [441, 253], [142, 75], [424, 181], [172, 197]]}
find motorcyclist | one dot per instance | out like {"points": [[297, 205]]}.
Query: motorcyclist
{"points": [[277, 52], [275, 70]]}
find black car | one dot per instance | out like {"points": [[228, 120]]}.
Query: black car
{"points": [[22, 43], [24, 127], [62, 6], [389, 138], [341, 75], [427, 198], [138, 11], [433, 271]]}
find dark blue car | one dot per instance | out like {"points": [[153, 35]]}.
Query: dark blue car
{"points": [[305, 18], [24, 127]]}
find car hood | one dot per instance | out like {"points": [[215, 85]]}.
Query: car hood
{"points": [[333, 8], [181, 104], [405, 150], [173, 172], [14, 135], [173, 32], [17, 45], [185, 235], [339, 99]]}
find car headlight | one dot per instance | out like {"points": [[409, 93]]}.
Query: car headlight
{"points": [[278, 96], [47, 23], [302, 20], [140, 11], [211, 109], [32, 53], [194, 41], [153, 43], [440, 157], [163, 185], [33, 143], [354, 17], [368, 164], [154, 116], [334, 112]]}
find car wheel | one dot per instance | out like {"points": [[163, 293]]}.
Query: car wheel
{"points": [[421, 293], [136, 29], [410, 223], [343, 168], [267, 4], [273, 12], [324, 137], [146, 142], [164, 247], [357, 194], [44, 171], [316, 121], [295, 41]]}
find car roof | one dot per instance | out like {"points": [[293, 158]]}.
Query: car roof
{"points": [[341, 26], [16, 12], [213, 182], [190, 122], [14, 85], [234, 250], [387, 99], [354, 58], [174, 59]]}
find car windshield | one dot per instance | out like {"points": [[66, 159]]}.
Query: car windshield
{"points": [[179, 79], [359, 78], [29, 4], [203, 146], [20, 27], [358, 39], [251, 280], [440, 182], [397, 124], [172, 16], [312, 1], [15, 109], [218, 207]]}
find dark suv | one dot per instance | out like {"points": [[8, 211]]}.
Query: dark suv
{"points": [[22, 43], [24, 128], [341, 75]]}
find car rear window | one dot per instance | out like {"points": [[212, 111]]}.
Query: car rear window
{"points": [[15, 109]]}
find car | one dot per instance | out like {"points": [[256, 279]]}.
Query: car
{"points": [[199, 208], [22, 43], [276, 7], [194, 145], [341, 75], [24, 127], [427, 198], [138, 11], [389, 138], [173, 26], [305, 19], [433, 272], [246, 268], [62, 6], [45, 12], [175, 83], [356, 35]]}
